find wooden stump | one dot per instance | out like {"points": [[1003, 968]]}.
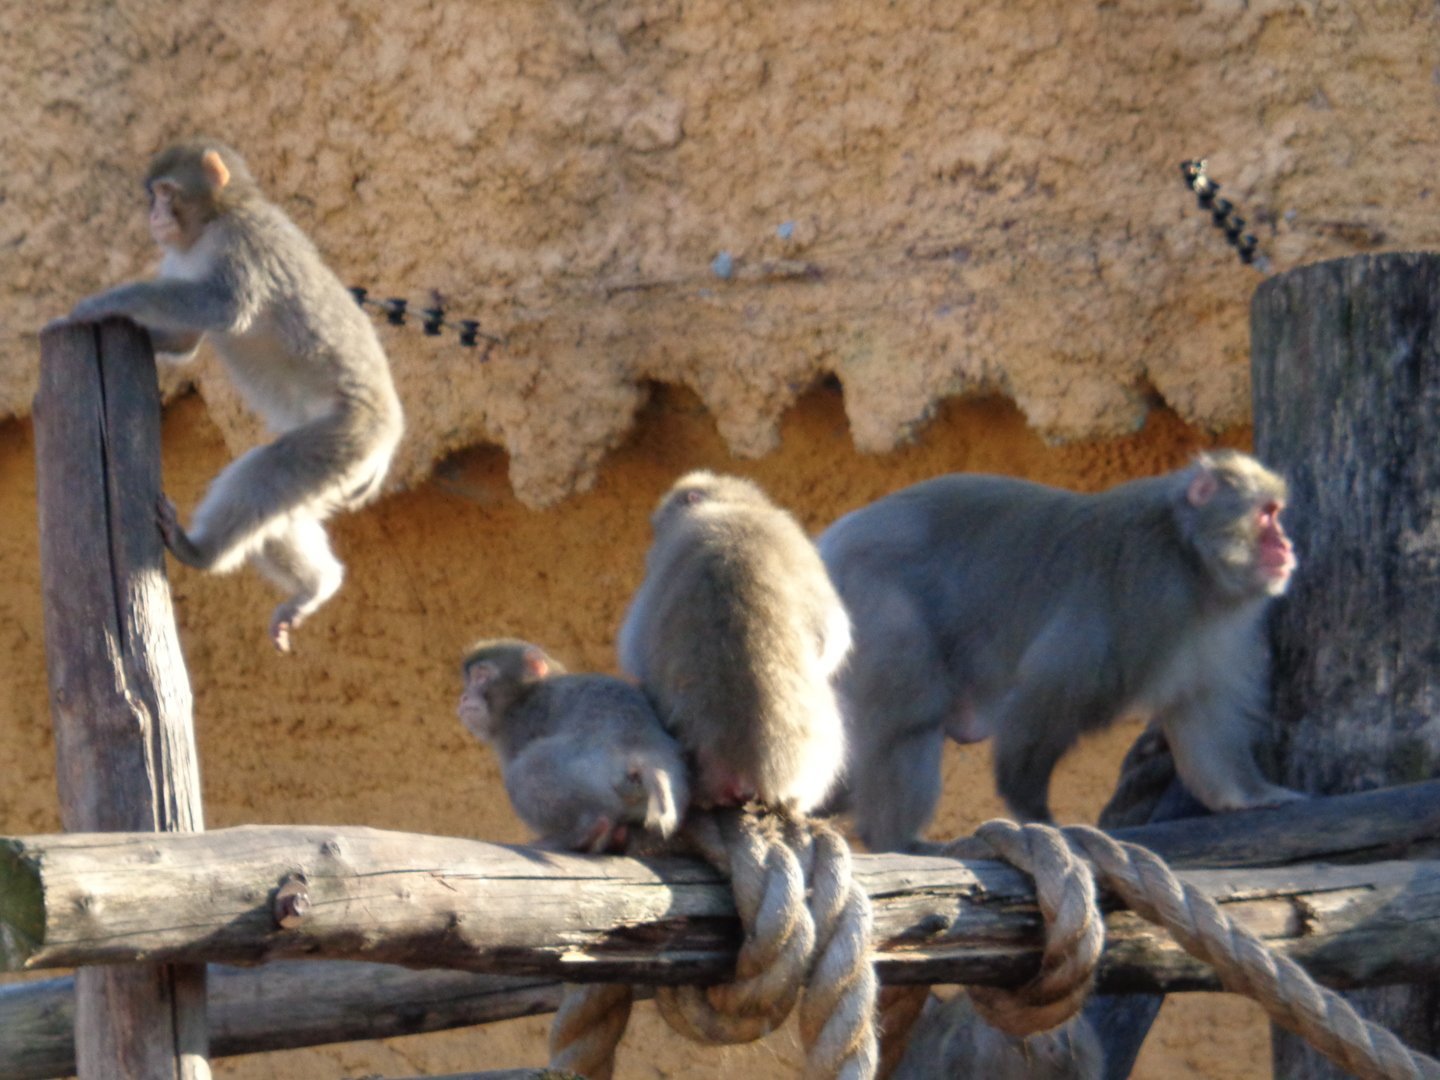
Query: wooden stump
{"points": [[1346, 370], [119, 693]]}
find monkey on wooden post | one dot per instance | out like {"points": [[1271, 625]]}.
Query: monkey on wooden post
{"points": [[584, 757], [735, 633], [301, 353], [985, 606]]}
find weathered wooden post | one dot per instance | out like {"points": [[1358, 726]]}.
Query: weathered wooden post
{"points": [[1346, 368], [119, 693]]}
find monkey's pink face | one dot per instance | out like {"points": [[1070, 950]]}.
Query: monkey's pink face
{"points": [[165, 225], [1274, 556], [474, 709]]}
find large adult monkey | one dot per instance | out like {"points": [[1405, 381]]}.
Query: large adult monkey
{"points": [[300, 351], [735, 634], [985, 606]]}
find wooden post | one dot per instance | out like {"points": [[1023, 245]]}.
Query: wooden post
{"points": [[119, 693], [1346, 370]]}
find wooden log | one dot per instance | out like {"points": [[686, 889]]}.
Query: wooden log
{"points": [[1346, 372], [298, 1003], [119, 694], [282, 1006], [467, 905]]}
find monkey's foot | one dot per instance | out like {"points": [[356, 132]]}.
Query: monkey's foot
{"points": [[282, 625]]}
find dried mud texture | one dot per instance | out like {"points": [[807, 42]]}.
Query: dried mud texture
{"points": [[359, 726], [926, 198]]}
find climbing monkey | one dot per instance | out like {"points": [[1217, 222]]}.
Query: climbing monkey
{"points": [[301, 353], [992, 607]]}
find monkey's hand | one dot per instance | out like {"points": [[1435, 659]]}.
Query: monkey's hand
{"points": [[101, 305]]}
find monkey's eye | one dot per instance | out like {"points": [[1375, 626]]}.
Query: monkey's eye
{"points": [[693, 497]]}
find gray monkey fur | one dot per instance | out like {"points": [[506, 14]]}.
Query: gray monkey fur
{"points": [[297, 347], [986, 606], [950, 1039], [583, 757], [735, 633]]}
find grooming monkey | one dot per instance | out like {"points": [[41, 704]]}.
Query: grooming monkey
{"points": [[735, 633], [301, 353], [584, 757], [986, 606]]}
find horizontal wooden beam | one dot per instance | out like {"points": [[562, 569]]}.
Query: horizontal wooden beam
{"points": [[281, 1006], [462, 904]]}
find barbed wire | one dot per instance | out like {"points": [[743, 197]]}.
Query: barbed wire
{"points": [[434, 320], [1223, 214], [821, 262]]}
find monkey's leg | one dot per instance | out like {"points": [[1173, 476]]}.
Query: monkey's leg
{"points": [[893, 796], [896, 693], [300, 561], [1034, 726], [311, 469]]}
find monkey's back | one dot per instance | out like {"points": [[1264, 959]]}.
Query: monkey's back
{"points": [[990, 563], [734, 650], [299, 337]]}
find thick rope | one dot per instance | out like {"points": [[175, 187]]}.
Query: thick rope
{"points": [[834, 928], [1246, 966], [769, 887], [1074, 932], [837, 1014], [587, 1028], [820, 943]]}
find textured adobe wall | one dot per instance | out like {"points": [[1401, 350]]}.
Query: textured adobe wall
{"points": [[359, 726], [979, 196]]}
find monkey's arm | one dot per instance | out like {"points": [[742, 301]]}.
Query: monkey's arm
{"points": [[1213, 739], [179, 309]]}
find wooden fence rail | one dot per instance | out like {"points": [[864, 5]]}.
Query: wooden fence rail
{"points": [[462, 904]]}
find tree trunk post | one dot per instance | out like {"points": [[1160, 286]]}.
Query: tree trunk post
{"points": [[119, 693], [1346, 371]]}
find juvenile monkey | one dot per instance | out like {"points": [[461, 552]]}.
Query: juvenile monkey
{"points": [[301, 353], [986, 606], [735, 633], [584, 757]]}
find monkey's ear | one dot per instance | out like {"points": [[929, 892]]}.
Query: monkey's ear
{"points": [[536, 664], [1202, 488], [214, 168]]}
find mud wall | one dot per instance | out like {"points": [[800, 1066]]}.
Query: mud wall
{"points": [[924, 198], [835, 246]]}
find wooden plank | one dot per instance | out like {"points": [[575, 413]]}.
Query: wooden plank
{"points": [[468, 905], [1346, 373], [282, 1006], [119, 694]]}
